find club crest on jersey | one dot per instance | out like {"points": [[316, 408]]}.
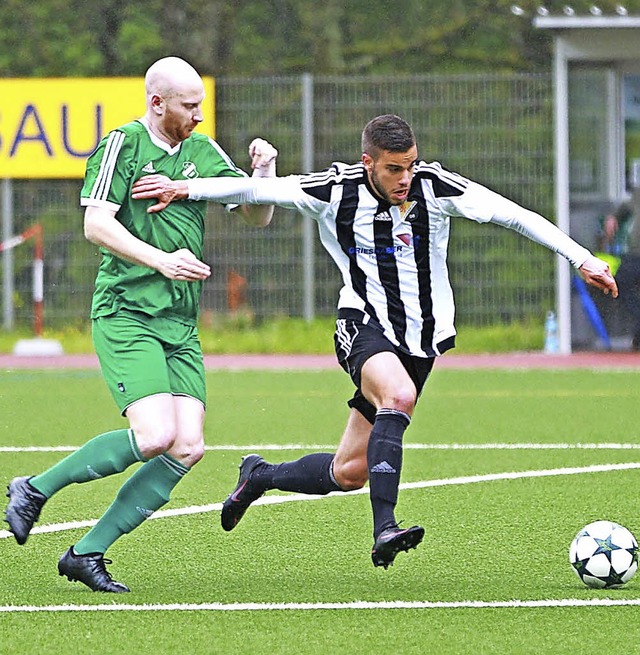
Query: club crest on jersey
{"points": [[405, 209], [189, 170]]}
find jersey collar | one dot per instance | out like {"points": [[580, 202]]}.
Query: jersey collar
{"points": [[163, 145]]}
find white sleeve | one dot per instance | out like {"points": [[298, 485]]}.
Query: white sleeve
{"points": [[281, 191], [484, 205]]}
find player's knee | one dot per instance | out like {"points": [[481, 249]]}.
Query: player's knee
{"points": [[188, 452], [351, 475], [194, 455], [153, 441], [401, 398]]}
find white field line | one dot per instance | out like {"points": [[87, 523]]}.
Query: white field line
{"points": [[407, 446], [354, 605], [276, 500]]}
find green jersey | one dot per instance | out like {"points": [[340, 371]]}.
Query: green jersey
{"points": [[121, 158]]}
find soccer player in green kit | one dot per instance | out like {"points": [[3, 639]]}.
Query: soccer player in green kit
{"points": [[144, 315]]}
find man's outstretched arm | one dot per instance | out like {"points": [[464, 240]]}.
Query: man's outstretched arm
{"points": [[509, 214], [281, 191]]}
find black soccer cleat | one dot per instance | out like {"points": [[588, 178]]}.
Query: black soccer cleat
{"points": [[90, 570], [393, 540], [23, 509], [243, 495]]}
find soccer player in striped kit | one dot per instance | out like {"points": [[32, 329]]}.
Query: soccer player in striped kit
{"points": [[144, 316], [385, 222]]}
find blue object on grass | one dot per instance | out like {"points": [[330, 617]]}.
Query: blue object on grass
{"points": [[591, 310]]}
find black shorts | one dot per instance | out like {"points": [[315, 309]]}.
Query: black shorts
{"points": [[356, 341]]}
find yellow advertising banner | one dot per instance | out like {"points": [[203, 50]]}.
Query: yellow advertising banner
{"points": [[48, 127]]}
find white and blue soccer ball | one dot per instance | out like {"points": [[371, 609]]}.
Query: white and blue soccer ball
{"points": [[604, 554]]}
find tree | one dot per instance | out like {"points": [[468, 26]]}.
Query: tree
{"points": [[277, 37]]}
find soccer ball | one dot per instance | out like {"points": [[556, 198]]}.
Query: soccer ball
{"points": [[604, 554]]}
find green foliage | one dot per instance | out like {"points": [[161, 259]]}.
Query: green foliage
{"points": [[46, 39], [278, 335], [114, 37], [274, 37], [222, 335]]}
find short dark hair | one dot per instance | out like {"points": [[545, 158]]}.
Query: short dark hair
{"points": [[388, 132]]}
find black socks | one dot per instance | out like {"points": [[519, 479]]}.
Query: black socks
{"points": [[384, 461], [313, 474], [310, 474]]}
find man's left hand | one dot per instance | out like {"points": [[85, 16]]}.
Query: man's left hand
{"points": [[263, 158], [160, 188], [597, 273]]}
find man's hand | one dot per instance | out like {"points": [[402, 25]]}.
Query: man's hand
{"points": [[182, 265], [263, 158], [596, 273], [263, 162], [160, 188]]}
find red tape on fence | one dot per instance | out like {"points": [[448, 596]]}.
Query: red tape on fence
{"points": [[36, 233]]}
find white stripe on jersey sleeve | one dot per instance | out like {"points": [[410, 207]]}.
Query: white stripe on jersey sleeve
{"points": [[337, 173], [322, 177], [100, 189], [225, 157], [104, 204], [435, 168]]}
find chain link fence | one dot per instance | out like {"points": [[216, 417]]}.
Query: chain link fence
{"points": [[494, 129]]}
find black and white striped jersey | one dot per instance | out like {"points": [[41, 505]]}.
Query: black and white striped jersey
{"points": [[393, 258]]}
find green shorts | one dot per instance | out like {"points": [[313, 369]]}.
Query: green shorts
{"points": [[141, 356]]}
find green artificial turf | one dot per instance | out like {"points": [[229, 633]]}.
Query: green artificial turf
{"points": [[492, 575]]}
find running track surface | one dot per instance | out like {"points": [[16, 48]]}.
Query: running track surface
{"points": [[604, 360]]}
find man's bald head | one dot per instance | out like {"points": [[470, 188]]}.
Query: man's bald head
{"points": [[175, 93], [170, 77]]}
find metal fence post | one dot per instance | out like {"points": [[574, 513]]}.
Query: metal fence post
{"points": [[315, 120], [7, 255], [308, 254]]}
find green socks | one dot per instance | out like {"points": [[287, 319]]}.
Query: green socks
{"points": [[147, 490], [106, 454], [143, 493]]}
